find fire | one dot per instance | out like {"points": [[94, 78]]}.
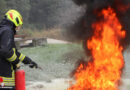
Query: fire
{"points": [[103, 72]]}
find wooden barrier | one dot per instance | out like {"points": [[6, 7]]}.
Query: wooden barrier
{"points": [[39, 41], [21, 43]]}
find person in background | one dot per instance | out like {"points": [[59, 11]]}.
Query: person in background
{"points": [[10, 57]]}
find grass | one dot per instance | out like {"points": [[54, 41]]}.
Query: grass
{"points": [[50, 52], [57, 60]]}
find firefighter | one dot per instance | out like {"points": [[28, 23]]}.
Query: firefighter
{"points": [[10, 58]]}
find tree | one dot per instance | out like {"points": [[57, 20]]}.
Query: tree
{"points": [[23, 6], [2, 8]]}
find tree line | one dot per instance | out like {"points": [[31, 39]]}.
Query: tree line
{"points": [[38, 13]]}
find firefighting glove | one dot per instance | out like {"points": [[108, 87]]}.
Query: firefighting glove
{"points": [[33, 65]]}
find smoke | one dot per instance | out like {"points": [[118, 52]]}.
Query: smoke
{"points": [[81, 29]]}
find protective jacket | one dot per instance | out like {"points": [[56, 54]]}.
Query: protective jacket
{"points": [[9, 56]]}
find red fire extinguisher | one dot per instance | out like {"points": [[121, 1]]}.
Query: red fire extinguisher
{"points": [[20, 80]]}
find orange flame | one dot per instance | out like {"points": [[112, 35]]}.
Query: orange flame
{"points": [[104, 71]]}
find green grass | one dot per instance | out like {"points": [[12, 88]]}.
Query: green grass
{"points": [[57, 60], [50, 52]]}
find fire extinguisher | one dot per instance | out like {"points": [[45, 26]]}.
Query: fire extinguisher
{"points": [[20, 80]]}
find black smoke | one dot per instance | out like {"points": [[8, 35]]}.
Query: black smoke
{"points": [[82, 30]]}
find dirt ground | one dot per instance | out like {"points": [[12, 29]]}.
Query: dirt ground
{"points": [[63, 84]]}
